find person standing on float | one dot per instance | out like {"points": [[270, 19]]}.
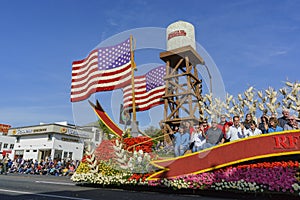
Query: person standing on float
{"points": [[236, 131]]}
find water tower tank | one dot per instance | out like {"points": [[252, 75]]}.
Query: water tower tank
{"points": [[180, 34]]}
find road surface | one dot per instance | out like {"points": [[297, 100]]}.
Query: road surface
{"points": [[35, 187]]}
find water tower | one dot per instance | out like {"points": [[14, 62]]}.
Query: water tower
{"points": [[183, 86]]}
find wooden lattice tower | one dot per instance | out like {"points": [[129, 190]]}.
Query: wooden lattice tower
{"points": [[183, 88]]}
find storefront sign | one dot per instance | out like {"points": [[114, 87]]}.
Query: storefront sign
{"points": [[69, 131], [69, 139], [23, 131], [4, 128], [39, 130], [28, 131]]}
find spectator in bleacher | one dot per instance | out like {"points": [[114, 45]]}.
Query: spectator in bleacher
{"points": [[284, 119], [188, 126], [5, 161], [292, 123], [221, 125], [264, 124], [236, 131], [53, 170], [185, 141], [253, 130], [71, 170], [214, 135], [198, 138], [47, 167], [29, 169], [182, 141], [222, 121], [248, 120], [273, 125], [175, 135], [226, 129], [13, 168], [205, 125]]}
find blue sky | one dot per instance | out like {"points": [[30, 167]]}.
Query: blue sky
{"points": [[253, 43]]}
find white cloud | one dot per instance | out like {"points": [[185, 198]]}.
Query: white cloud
{"points": [[278, 53]]}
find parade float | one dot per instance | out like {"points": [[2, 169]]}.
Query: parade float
{"points": [[263, 165]]}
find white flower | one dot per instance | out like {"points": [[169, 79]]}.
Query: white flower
{"points": [[296, 187], [141, 152], [139, 159]]}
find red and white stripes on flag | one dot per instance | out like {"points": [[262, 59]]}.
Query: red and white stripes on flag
{"points": [[104, 69], [149, 90]]}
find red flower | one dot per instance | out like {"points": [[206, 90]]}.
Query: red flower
{"points": [[105, 150], [271, 164], [137, 177], [84, 158], [138, 143]]}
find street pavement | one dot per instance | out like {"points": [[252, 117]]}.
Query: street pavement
{"points": [[35, 187]]}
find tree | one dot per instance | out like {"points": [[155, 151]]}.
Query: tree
{"points": [[152, 131]]}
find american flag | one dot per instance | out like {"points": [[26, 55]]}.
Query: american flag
{"points": [[104, 69], [149, 90]]}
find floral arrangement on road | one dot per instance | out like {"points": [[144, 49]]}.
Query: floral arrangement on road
{"points": [[133, 168], [267, 176], [127, 161], [121, 162]]}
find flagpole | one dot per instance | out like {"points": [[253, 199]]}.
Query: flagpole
{"points": [[134, 126], [133, 67]]}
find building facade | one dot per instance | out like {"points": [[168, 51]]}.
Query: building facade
{"points": [[7, 145], [55, 141]]}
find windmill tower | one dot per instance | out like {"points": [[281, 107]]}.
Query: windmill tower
{"points": [[183, 86]]}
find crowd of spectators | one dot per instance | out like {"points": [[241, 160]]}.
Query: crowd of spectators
{"points": [[203, 135], [44, 167]]}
